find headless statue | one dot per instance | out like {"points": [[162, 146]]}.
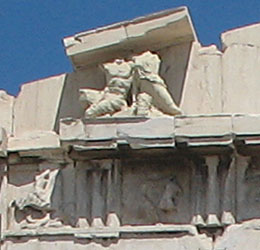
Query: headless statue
{"points": [[141, 75], [113, 98], [146, 79]]}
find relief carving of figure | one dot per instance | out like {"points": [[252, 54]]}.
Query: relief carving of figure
{"points": [[113, 98], [171, 194], [146, 79], [138, 77], [36, 206], [162, 199]]}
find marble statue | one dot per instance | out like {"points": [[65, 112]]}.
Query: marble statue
{"points": [[140, 76], [113, 98], [146, 79]]}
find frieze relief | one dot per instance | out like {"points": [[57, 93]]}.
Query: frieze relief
{"points": [[34, 209], [202, 190], [69, 196], [159, 192]]}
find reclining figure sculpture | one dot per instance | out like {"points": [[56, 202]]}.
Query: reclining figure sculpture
{"points": [[113, 98], [138, 77]]}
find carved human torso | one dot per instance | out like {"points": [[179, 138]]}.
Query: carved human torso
{"points": [[118, 76]]}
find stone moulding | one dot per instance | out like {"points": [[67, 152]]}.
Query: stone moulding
{"points": [[104, 232], [151, 32], [193, 131]]}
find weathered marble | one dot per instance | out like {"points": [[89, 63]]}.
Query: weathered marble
{"points": [[34, 140], [6, 107], [156, 179], [37, 105], [151, 32], [202, 91], [241, 236], [136, 81], [240, 79]]}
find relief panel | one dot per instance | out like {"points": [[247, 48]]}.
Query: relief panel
{"points": [[155, 191]]}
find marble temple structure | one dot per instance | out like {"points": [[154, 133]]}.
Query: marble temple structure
{"points": [[152, 142]]}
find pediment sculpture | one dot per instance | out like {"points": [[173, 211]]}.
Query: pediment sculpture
{"points": [[133, 88]]}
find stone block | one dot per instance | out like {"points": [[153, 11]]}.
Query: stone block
{"points": [[6, 107], [72, 129], [241, 70], [97, 39], [203, 126], [160, 32], [76, 129], [99, 131], [246, 124], [152, 32], [248, 36], [161, 127], [37, 105], [3, 142], [33, 141], [240, 79], [240, 236], [117, 128], [174, 62], [201, 92]]}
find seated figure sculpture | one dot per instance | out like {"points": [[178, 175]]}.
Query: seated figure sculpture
{"points": [[150, 96]]}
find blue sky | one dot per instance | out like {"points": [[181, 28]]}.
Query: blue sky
{"points": [[31, 30]]}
